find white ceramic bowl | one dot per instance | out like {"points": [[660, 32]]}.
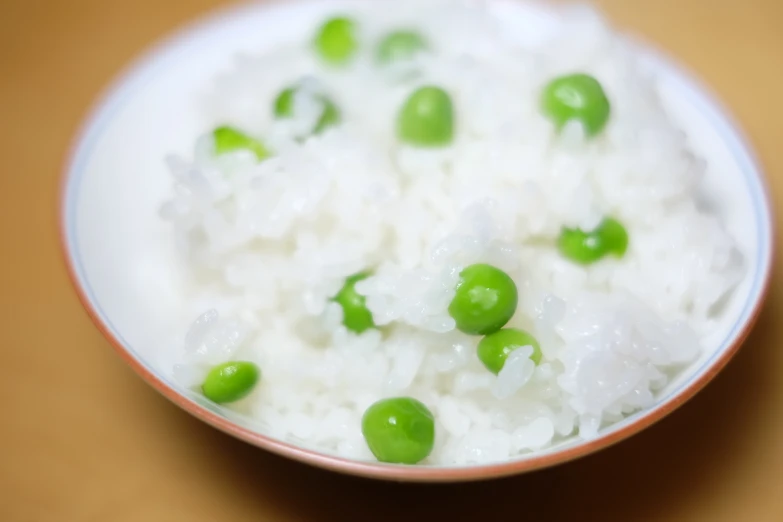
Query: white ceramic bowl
{"points": [[123, 265]]}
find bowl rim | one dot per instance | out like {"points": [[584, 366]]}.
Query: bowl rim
{"points": [[375, 470]]}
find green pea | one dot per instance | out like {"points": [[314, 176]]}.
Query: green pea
{"points": [[400, 45], [577, 97], [356, 316], [485, 301], [427, 118], [230, 381], [284, 108], [399, 430], [336, 41], [284, 103], [610, 237], [493, 349], [613, 236], [229, 139], [581, 247]]}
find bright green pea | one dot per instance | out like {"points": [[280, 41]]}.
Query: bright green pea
{"points": [[336, 41], [577, 97], [613, 236], [581, 247], [493, 349], [229, 139], [284, 108], [284, 103], [356, 316], [230, 381], [427, 118], [485, 301], [399, 430], [400, 45], [610, 237]]}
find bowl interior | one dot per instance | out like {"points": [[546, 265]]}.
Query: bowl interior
{"points": [[124, 262]]}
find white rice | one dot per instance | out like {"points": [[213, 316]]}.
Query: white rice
{"points": [[269, 243]]}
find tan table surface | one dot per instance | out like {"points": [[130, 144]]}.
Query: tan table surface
{"points": [[82, 438]]}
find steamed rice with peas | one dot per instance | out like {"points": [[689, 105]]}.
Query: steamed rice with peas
{"points": [[276, 210]]}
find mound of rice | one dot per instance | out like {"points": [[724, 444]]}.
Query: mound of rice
{"points": [[270, 243]]}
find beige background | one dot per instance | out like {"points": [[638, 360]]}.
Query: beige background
{"points": [[82, 438]]}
